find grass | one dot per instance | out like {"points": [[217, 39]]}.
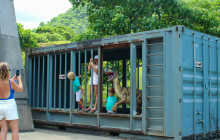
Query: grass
{"points": [[53, 43]]}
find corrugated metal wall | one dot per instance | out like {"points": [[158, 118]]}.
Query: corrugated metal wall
{"points": [[200, 112]]}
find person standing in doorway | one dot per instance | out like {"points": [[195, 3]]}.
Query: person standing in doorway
{"points": [[8, 107]]}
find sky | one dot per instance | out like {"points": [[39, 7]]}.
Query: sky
{"points": [[30, 13]]}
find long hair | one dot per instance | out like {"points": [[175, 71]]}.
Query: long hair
{"points": [[4, 71]]}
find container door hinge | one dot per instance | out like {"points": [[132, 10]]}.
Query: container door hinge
{"points": [[180, 101], [180, 68], [180, 133]]}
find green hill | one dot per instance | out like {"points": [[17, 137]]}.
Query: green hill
{"points": [[75, 19]]}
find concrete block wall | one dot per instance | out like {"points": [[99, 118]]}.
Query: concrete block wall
{"points": [[10, 52]]}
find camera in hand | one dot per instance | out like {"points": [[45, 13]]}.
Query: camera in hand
{"points": [[17, 73]]}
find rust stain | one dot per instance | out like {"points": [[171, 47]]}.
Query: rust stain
{"points": [[88, 45], [59, 111], [37, 109], [116, 46], [117, 130], [114, 115], [84, 113]]}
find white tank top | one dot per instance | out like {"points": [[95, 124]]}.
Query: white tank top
{"points": [[95, 75]]}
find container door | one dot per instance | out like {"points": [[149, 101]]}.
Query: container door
{"points": [[200, 85]]}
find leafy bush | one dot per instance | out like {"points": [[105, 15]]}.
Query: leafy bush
{"points": [[55, 37], [41, 38], [26, 37]]}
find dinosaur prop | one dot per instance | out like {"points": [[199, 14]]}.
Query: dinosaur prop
{"points": [[122, 92]]}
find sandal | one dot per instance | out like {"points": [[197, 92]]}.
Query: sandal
{"points": [[87, 110], [83, 108], [93, 110]]}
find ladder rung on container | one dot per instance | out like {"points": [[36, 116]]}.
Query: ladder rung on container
{"points": [[154, 129], [155, 44], [155, 75], [153, 86], [155, 97], [155, 65], [155, 54], [154, 107], [154, 118]]}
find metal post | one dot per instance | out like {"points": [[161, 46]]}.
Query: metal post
{"points": [[217, 56], [60, 81], [65, 82], [38, 83], [79, 70], [126, 61], [119, 79], [50, 73], [34, 84], [107, 82], [43, 82], [124, 81], [72, 97], [48, 86], [55, 80], [144, 85], [194, 89], [113, 65], [133, 83], [30, 80], [100, 89], [138, 74], [85, 78], [119, 69], [210, 86], [204, 73], [91, 78]]}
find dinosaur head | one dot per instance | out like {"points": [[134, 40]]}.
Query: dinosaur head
{"points": [[111, 73]]}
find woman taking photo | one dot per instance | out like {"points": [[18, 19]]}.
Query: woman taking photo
{"points": [[8, 107]]}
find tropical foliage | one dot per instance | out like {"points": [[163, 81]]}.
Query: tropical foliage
{"points": [[26, 37], [114, 17], [89, 19], [75, 19]]}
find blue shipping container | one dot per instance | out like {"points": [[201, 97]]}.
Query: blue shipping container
{"points": [[177, 69]]}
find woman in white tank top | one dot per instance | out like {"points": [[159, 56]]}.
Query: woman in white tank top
{"points": [[8, 107], [94, 65]]}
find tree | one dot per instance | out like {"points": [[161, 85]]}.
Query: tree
{"points": [[45, 29], [42, 24], [88, 35], [76, 19], [208, 9], [65, 31], [60, 33], [26, 37], [114, 17]]}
